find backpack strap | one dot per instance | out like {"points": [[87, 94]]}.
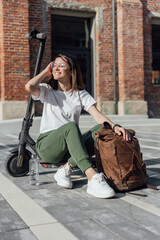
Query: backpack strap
{"points": [[142, 164], [80, 100], [130, 170]]}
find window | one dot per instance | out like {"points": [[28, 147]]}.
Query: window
{"points": [[71, 35], [156, 54]]}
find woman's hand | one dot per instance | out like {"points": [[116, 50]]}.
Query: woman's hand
{"points": [[48, 71], [121, 131]]}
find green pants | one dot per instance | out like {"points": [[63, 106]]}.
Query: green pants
{"points": [[67, 144]]}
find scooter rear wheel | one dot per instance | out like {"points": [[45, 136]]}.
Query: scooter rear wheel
{"points": [[11, 165]]}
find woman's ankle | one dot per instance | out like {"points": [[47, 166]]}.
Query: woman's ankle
{"points": [[66, 165], [90, 172]]}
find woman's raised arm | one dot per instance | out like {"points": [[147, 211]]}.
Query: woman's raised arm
{"points": [[32, 85]]}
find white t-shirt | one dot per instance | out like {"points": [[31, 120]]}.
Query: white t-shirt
{"points": [[61, 107]]}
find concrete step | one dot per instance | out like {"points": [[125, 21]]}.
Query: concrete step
{"points": [[13, 126], [116, 117]]}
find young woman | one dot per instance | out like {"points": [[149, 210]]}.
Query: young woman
{"points": [[60, 88]]}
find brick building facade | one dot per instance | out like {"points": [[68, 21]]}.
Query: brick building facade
{"points": [[84, 28]]}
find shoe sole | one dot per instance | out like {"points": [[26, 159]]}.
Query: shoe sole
{"points": [[62, 184], [109, 195]]}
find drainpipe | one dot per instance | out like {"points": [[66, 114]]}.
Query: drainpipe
{"points": [[114, 57]]}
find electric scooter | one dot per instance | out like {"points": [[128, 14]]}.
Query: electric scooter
{"points": [[17, 163]]}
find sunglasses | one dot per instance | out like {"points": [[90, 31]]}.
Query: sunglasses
{"points": [[58, 65]]}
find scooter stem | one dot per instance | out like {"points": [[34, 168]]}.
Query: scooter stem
{"points": [[24, 137]]}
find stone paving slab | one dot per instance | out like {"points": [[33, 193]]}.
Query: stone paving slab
{"points": [[24, 234], [79, 215], [91, 230], [11, 225], [9, 220], [72, 206]]}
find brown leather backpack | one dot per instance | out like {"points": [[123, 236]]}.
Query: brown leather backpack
{"points": [[120, 160]]}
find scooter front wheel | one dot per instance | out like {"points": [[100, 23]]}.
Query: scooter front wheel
{"points": [[11, 165]]}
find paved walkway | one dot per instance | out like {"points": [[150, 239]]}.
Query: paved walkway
{"points": [[51, 212]]}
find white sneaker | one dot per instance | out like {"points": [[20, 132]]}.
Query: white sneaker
{"points": [[63, 176], [98, 187]]}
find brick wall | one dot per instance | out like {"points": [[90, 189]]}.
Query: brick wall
{"points": [[17, 59], [14, 49], [39, 18], [130, 50], [1, 47]]}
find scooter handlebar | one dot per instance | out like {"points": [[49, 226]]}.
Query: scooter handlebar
{"points": [[28, 36], [39, 36]]}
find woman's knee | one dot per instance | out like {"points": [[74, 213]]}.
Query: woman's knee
{"points": [[98, 127], [71, 125]]}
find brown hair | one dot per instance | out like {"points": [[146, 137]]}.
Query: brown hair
{"points": [[76, 77]]}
